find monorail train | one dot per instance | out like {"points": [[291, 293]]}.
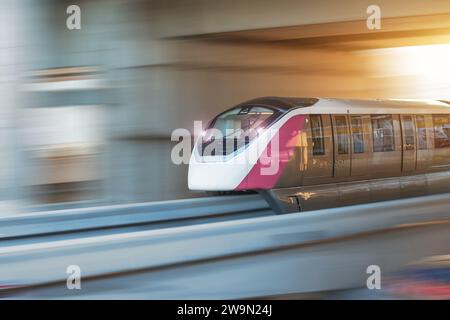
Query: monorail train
{"points": [[326, 152]]}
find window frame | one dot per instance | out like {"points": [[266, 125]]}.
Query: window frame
{"points": [[314, 138], [434, 130], [374, 145], [339, 135], [412, 134], [361, 127], [419, 146]]}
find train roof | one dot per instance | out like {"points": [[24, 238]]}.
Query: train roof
{"points": [[284, 103], [333, 105]]}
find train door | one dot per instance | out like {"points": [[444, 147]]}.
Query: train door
{"points": [[317, 190], [341, 139], [425, 141], [408, 143], [361, 144], [319, 163]]}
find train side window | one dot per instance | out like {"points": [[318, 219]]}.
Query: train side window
{"points": [[317, 135], [408, 131], [342, 134], [383, 133], [441, 131], [421, 132], [357, 134]]}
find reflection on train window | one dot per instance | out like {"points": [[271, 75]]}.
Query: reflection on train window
{"points": [[342, 134], [234, 129], [383, 133], [441, 131], [421, 133], [408, 132], [241, 120], [317, 135], [357, 134]]}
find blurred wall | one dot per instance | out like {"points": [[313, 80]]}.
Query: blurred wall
{"points": [[11, 59]]}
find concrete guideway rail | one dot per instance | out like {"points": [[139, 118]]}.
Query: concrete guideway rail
{"points": [[73, 220], [230, 246]]}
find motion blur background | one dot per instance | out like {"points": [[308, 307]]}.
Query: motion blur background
{"points": [[86, 115]]}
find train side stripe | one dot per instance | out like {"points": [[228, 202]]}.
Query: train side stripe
{"points": [[287, 136]]}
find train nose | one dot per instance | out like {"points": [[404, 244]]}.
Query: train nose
{"points": [[215, 176]]}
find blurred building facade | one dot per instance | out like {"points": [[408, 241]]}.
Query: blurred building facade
{"points": [[87, 114]]}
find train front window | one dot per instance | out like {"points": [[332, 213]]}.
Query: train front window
{"points": [[383, 133], [241, 120], [235, 128], [441, 131]]}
